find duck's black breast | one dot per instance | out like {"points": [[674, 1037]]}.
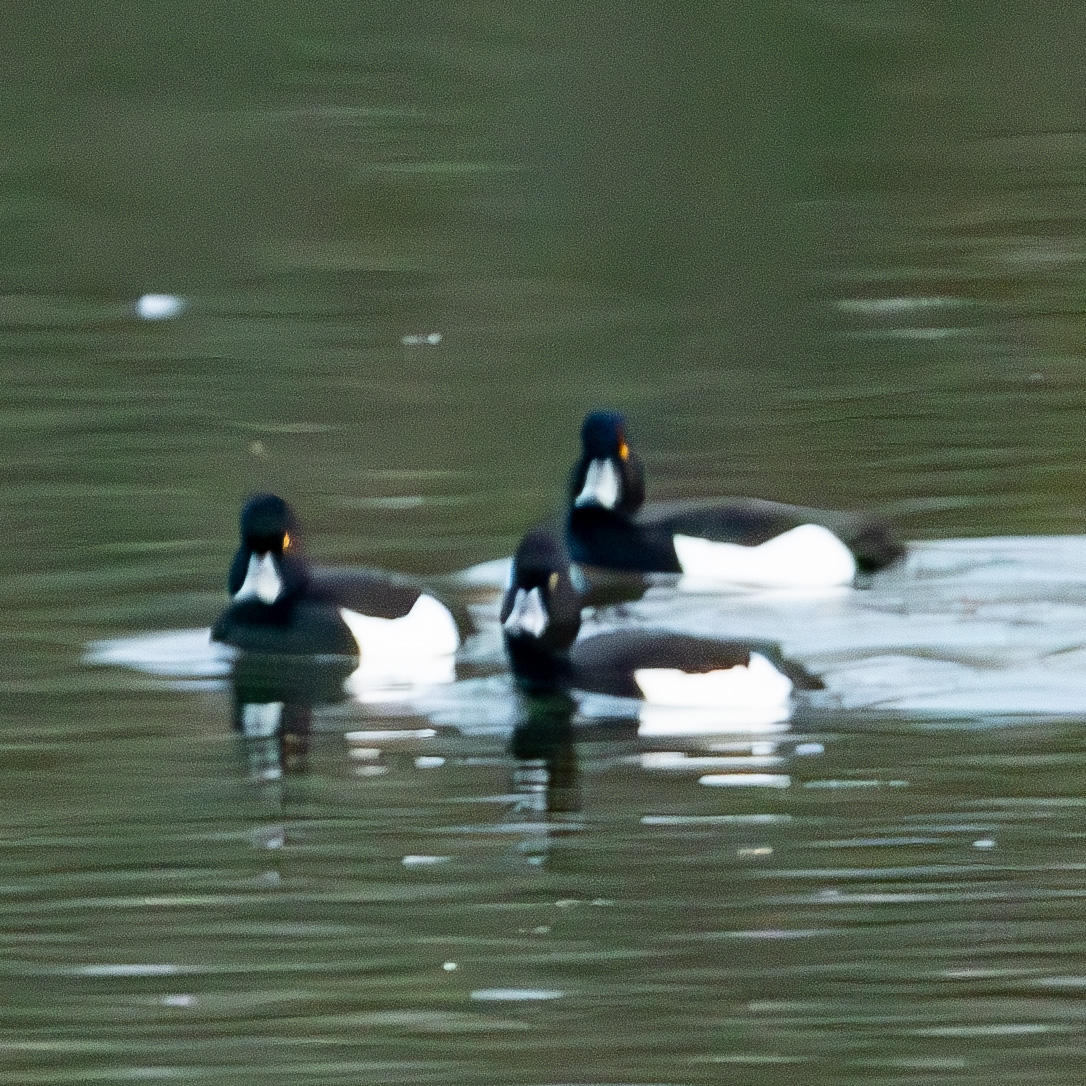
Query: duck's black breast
{"points": [[599, 537], [303, 627]]}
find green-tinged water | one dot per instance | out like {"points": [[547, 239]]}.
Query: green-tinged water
{"points": [[829, 252]]}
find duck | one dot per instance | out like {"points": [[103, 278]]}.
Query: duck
{"points": [[744, 541], [283, 606], [541, 626]]}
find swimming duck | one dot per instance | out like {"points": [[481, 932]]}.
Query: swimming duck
{"points": [[541, 620], [281, 605], [739, 540]]}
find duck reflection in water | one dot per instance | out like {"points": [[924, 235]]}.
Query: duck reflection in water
{"points": [[274, 699], [545, 777]]}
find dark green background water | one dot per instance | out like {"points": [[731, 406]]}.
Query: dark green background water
{"points": [[830, 252]]}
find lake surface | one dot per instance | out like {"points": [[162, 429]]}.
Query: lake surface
{"points": [[826, 252]]}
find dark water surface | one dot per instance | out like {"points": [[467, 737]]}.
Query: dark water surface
{"points": [[831, 252]]}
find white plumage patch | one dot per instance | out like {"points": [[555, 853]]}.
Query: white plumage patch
{"points": [[809, 556], [262, 580], [529, 614], [414, 650], [428, 629], [602, 485], [757, 685]]}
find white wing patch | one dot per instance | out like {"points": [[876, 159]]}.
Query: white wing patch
{"points": [[758, 685], [262, 580], [809, 556], [601, 485]]}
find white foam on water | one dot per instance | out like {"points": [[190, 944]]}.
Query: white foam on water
{"points": [[167, 654], [492, 574], [963, 626]]}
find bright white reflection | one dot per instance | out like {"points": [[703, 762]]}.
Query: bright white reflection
{"points": [[130, 970], [677, 760], [513, 995], [159, 307], [661, 720], [259, 721], [379, 679], [389, 735], [746, 780]]}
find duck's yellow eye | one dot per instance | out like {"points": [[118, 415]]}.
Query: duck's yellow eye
{"points": [[286, 540], [552, 582], [623, 449]]}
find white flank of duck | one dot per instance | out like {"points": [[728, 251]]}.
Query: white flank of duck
{"points": [[808, 556], [758, 685], [428, 629]]}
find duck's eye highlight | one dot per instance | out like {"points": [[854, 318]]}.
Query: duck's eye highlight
{"points": [[552, 581], [623, 449], [286, 540]]}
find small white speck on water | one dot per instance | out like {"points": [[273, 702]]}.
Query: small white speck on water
{"points": [[159, 307], [424, 861]]}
